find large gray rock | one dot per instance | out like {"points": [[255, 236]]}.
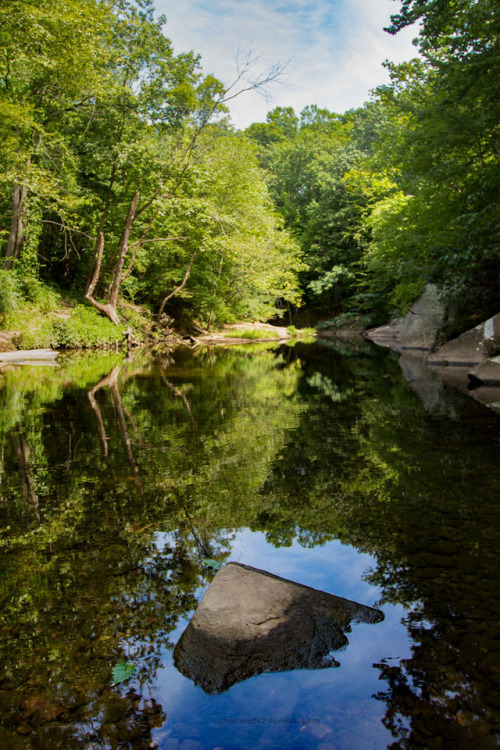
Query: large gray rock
{"points": [[472, 347], [487, 373], [388, 335], [419, 328], [24, 356], [250, 621], [8, 341]]}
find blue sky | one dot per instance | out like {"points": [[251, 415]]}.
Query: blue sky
{"points": [[334, 48]]}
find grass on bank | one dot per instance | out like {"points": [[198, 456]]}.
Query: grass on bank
{"points": [[301, 333], [252, 333], [47, 320], [266, 333]]}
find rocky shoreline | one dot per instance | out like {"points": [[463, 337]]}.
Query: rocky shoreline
{"points": [[470, 362]]}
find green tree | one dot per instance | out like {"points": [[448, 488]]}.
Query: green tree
{"points": [[440, 219], [307, 179], [45, 79], [238, 257]]}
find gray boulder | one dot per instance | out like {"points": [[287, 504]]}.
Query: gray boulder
{"points": [[419, 328], [251, 621], [9, 340], [472, 347], [487, 373]]}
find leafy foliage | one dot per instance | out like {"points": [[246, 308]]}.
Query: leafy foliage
{"points": [[118, 167], [212, 564], [84, 328], [405, 190], [308, 179]]}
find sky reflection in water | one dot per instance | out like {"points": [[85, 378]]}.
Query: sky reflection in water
{"points": [[316, 463]]}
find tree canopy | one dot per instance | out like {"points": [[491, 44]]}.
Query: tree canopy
{"points": [[119, 166], [122, 177]]}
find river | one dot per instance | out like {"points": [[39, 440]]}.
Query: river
{"points": [[126, 483]]}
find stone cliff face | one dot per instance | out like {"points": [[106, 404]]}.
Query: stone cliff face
{"points": [[470, 362], [472, 348], [419, 329]]}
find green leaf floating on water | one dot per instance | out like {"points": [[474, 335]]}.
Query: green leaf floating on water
{"points": [[123, 671], [214, 564]]}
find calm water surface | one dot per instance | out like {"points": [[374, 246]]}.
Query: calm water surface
{"points": [[317, 463]]}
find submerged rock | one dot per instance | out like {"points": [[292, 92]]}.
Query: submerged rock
{"points": [[251, 621]]}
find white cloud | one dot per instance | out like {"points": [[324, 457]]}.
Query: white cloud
{"points": [[335, 48]]}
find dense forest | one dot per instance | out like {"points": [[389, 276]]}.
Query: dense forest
{"points": [[124, 185]]}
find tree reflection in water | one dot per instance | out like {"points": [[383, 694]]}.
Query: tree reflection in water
{"points": [[103, 458]]}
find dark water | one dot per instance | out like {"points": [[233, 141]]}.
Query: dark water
{"points": [[315, 463]]}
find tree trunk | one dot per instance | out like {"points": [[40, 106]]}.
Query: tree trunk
{"points": [[105, 309], [108, 308], [11, 243], [99, 242], [20, 223], [118, 269]]}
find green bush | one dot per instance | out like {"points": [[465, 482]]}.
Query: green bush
{"points": [[10, 292], [85, 328], [38, 337], [43, 296]]}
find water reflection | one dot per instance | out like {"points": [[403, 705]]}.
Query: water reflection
{"points": [[307, 444]]}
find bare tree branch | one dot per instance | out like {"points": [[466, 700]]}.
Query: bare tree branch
{"points": [[177, 288]]}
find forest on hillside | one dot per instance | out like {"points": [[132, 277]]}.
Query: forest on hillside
{"points": [[125, 185]]}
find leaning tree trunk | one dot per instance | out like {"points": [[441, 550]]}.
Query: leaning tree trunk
{"points": [[118, 269], [99, 243], [108, 308]]}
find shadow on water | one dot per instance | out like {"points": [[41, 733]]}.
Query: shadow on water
{"points": [[120, 478]]}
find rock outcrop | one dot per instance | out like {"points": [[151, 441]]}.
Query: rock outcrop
{"points": [[8, 340], [472, 347], [250, 621], [419, 328], [470, 362], [487, 373], [29, 357]]}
